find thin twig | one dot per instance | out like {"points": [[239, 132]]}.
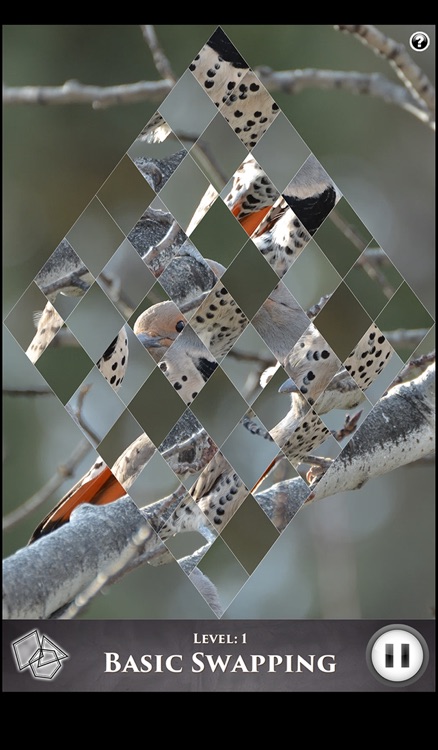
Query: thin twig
{"points": [[63, 471], [349, 231], [407, 70], [161, 62], [248, 357], [77, 415], [116, 294], [73, 92], [289, 81], [372, 84], [371, 260]]}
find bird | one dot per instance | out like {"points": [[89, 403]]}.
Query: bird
{"points": [[219, 321], [214, 498], [314, 368], [252, 194], [234, 88], [156, 130], [318, 383], [99, 485], [281, 229], [63, 273], [280, 321], [48, 323], [181, 355], [114, 361]]}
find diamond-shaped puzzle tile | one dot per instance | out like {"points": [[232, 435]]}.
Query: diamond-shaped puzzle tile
{"points": [[250, 194], [188, 365], [123, 432], [218, 138], [343, 238], [126, 194], [311, 364], [157, 327], [207, 201], [280, 470], [113, 363], [244, 102], [342, 321], [248, 280], [246, 362], [154, 482], [182, 547], [183, 191], [219, 491], [95, 236], [250, 534], [156, 237], [280, 321], [18, 371], [126, 279], [131, 462], [219, 406], [404, 311], [64, 364], [219, 321], [95, 322], [95, 407], [209, 235], [249, 454], [157, 406], [312, 194], [280, 237], [140, 366], [373, 280], [311, 277], [307, 436], [33, 321], [155, 171], [281, 138], [249, 109], [65, 274], [341, 392], [369, 357], [223, 569], [155, 131], [271, 405], [188, 278], [187, 448], [187, 109]]}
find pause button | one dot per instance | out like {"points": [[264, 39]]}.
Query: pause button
{"points": [[397, 653]]}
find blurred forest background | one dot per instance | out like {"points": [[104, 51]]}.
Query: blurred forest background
{"points": [[367, 554]]}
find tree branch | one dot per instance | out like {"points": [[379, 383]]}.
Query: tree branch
{"points": [[407, 70], [162, 64], [398, 431], [73, 92], [47, 575]]}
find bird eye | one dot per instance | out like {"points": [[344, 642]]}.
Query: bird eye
{"points": [[180, 325]]}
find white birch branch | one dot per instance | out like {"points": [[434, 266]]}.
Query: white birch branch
{"points": [[398, 431], [49, 574]]}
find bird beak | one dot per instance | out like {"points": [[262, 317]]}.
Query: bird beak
{"points": [[150, 342], [288, 387]]}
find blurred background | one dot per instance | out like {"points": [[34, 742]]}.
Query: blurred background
{"points": [[365, 554]]}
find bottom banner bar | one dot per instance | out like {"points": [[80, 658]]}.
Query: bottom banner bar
{"points": [[207, 656]]}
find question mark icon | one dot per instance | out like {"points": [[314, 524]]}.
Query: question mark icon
{"points": [[419, 41]]}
